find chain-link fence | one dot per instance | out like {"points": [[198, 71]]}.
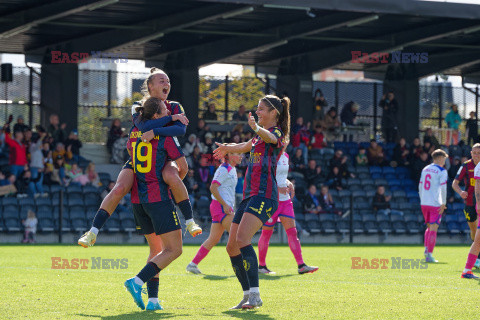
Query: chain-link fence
{"points": [[21, 97]]}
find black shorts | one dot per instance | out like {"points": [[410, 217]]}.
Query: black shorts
{"points": [[159, 217], [128, 164], [470, 213], [261, 207]]}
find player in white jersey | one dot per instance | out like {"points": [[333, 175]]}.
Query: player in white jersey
{"points": [[286, 216], [433, 198], [221, 208], [475, 248]]}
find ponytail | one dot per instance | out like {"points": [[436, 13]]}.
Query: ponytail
{"points": [[284, 119]]}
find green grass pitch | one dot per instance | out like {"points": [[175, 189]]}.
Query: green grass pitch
{"points": [[31, 289]]}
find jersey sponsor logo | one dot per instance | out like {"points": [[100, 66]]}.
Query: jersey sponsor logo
{"points": [[255, 157]]}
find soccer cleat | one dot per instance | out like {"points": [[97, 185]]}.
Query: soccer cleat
{"points": [[193, 268], [194, 229], [430, 259], [136, 292], [469, 275], [307, 269], [265, 270], [254, 301], [153, 306], [477, 264], [239, 306], [88, 239]]}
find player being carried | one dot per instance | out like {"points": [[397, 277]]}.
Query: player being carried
{"points": [[466, 174], [433, 198]]}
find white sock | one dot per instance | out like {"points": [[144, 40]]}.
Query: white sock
{"points": [[193, 264], [94, 230], [254, 290], [188, 221], [246, 293], [139, 281], [153, 300], [466, 270]]}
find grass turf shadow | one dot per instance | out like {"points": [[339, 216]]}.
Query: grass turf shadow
{"points": [[140, 315], [248, 314]]}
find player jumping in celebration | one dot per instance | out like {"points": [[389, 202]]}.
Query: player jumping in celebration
{"points": [[433, 199], [466, 174], [156, 85], [221, 208], [260, 193], [154, 211], [286, 216]]}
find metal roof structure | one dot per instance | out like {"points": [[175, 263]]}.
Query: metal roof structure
{"points": [[300, 36]]}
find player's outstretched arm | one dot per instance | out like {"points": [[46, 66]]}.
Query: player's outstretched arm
{"points": [[223, 149], [266, 135]]}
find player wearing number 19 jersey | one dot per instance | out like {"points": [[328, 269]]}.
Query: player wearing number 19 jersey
{"points": [[433, 198]]}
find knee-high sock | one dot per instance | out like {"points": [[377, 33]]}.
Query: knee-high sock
{"points": [[251, 265], [294, 245], [202, 253], [470, 261], [427, 236], [431, 241], [152, 287], [263, 246], [240, 272]]}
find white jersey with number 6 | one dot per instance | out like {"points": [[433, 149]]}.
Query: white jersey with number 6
{"points": [[433, 186]]}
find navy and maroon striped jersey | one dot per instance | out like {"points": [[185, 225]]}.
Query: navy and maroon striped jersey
{"points": [[262, 166], [148, 160], [465, 173]]}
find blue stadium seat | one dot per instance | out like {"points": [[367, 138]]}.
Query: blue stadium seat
{"points": [[300, 217], [375, 169], [376, 175], [399, 227], [11, 212], [104, 175], [313, 223], [128, 225], [412, 227], [451, 218], [371, 227], [399, 194], [79, 225], [344, 193], [76, 202], [55, 188], [381, 182], [12, 224], [353, 181], [363, 169], [46, 225], [457, 206], [74, 188], [453, 227], [328, 227], [77, 213], [24, 210], [44, 214], [388, 170], [9, 201], [343, 226], [364, 176], [370, 192], [359, 193], [66, 225], [90, 188], [327, 217], [43, 201], [358, 227], [26, 201], [334, 193]]}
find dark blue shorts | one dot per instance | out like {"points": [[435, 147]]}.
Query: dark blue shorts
{"points": [[159, 217], [261, 207], [128, 164]]}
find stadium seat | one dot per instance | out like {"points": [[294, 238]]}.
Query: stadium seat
{"points": [[313, 223], [24, 211], [344, 193], [26, 201], [46, 225], [75, 202], [453, 227], [358, 226], [46, 214], [388, 170], [9, 201], [457, 206], [77, 213], [128, 225], [328, 227], [353, 181], [327, 217], [74, 188], [375, 169], [11, 212], [112, 225], [399, 226], [371, 227], [90, 188], [376, 175], [361, 205], [300, 217], [364, 176], [362, 169], [381, 182], [104, 176], [79, 225], [412, 227], [343, 226], [12, 224], [55, 188], [43, 201]]}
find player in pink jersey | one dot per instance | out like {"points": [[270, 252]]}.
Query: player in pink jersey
{"points": [[286, 216], [433, 199], [475, 248], [260, 193], [156, 85], [221, 208]]}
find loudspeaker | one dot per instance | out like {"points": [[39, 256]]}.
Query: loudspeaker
{"points": [[7, 74]]}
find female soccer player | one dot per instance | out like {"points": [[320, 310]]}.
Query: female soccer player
{"points": [[260, 194], [286, 216], [221, 208], [156, 85], [154, 211]]}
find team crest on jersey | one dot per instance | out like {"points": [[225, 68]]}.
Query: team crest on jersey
{"points": [[277, 133], [246, 265]]}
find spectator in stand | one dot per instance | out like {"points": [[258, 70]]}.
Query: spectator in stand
{"points": [[301, 138], [331, 124], [313, 174], [240, 115], [191, 144], [348, 116], [56, 130], [334, 179], [210, 113], [20, 125], [7, 185], [340, 161], [428, 148], [194, 159], [401, 153], [60, 151], [26, 186], [472, 129], [453, 121], [115, 133], [191, 185], [30, 225], [319, 107], [361, 158], [415, 150], [390, 107], [92, 175], [418, 165], [431, 138], [122, 205], [297, 164], [312, 203], [317, 140], [209, 146], [58, 175], [381, 203], [18, 153], [73, 145], [76, 176], [202, 130], [457, 163], [204, 176], [326, 201], [37, 163], [375, 154]]}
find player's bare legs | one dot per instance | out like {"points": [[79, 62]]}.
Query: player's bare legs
{"points": [[472, 257], [109, 204], [173, 173]]}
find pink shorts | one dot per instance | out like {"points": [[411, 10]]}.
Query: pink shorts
{"points": [[431, 214], [216, 210], [285, 209]]}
